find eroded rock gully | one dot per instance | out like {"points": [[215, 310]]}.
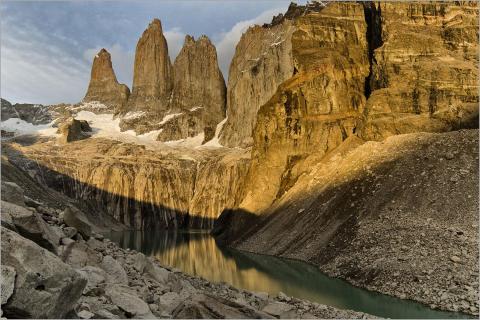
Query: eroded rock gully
{"points": [[424, 75]]}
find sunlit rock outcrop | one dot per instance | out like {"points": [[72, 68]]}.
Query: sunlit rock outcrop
{"points": [[317, 108], [182, 101], [262, 61], [425, 72], [103, 86]]}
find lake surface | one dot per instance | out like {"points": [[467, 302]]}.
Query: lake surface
{"points": [[196, 253]]}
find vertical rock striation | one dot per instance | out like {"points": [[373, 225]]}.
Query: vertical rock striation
{"points": [[103, 86], [425, 71], [138, 187], [152, 73]]}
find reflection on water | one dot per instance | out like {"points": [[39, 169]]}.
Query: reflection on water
{"points": [[196, 253]]}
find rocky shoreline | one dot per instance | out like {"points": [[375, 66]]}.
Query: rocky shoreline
{"points": [[54, 265]]}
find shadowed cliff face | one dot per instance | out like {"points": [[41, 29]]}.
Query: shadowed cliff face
{"points": [[138, 187]]}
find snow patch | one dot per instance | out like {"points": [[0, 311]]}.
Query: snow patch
{"points": [[133, 115], [105, 126], [190, 142], [20, 127], [168, 117], [195, 108], [275, 44], [215, 142], [92, 105]]}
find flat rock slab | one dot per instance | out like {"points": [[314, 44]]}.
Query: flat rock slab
{"points": [[11, 192], [126, 299], [77, 219], [114, 270], [277, 308]]}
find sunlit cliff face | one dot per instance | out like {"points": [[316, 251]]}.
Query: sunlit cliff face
{"points": [[142, 188]]}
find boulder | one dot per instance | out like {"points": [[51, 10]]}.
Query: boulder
{"points": [[66, 241], [7, 221], [105, 314], [127, 300], [77, 219], [156, 272], [140, 261], [145, 266], [73, 130], [8, 282], [30, 225], [277, 308], [96, 245], [95, 276], [78, 255], [45, 287], [169, 301], [114, 270], [203, 306], [29, 202], [84, 314], [12, 193], [69, 231]]}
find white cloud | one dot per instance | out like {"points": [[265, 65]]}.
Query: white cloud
{"points": [[228, 40], [32, 71]]}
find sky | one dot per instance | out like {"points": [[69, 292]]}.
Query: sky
{"points": [[47, 47]]}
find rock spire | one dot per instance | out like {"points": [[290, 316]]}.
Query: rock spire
{"points": [[103, 86]]}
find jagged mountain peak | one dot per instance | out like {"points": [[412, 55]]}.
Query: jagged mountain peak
{"points": [[155, 24]]}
